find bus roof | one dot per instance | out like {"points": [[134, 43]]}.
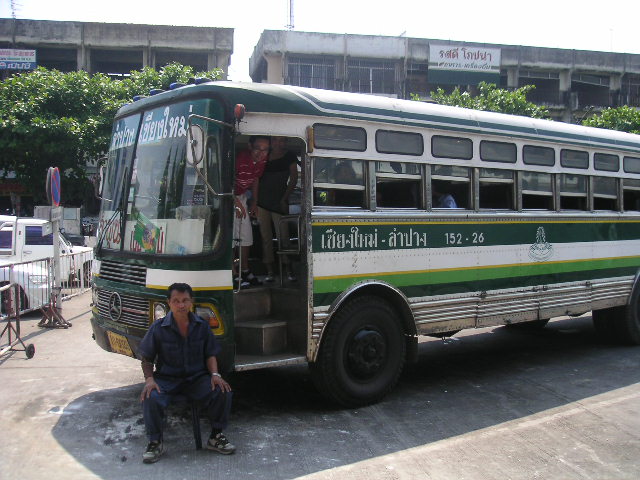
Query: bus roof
{"points": [[287, 99]]}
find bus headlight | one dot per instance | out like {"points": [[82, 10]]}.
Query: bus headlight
{"points": [[210, 314], [159, 310], [94, 296]]}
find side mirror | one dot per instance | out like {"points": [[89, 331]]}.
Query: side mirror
{"points": [[195, 144], [98, 182]]}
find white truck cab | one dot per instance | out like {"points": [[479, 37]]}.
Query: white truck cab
{"points": [[22, 240]]}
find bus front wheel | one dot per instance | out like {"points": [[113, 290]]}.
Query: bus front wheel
{"points": [[362, 353]]}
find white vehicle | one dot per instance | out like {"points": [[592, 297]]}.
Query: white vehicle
{"points": [[34, 281], [27, 243]]}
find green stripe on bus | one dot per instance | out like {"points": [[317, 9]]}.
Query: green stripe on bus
{"points": [[475, 274], [369, 236]]}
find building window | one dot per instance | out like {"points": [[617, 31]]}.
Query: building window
{"points": [[370, 76], [316, 72]]}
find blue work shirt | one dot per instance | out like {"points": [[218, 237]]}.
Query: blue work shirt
{"points": [[176, 357]]}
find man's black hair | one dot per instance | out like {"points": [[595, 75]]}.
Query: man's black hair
{"points": [[253, 138], [179, 287]]}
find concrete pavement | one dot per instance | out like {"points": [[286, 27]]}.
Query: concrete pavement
{"points": [[493, 404]]}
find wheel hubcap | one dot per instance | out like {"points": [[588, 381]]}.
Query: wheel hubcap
{"points": [[367, 353]]}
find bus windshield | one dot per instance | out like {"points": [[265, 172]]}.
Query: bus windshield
{"points": [[168, 209]]}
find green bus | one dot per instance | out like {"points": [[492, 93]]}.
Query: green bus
{"points": [[412, 219]]}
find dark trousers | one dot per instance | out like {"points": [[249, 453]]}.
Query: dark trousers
{"points": [[215, 404]]}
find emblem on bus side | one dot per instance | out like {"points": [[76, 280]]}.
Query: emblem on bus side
{"points": [[541, 250], [115, 306]]}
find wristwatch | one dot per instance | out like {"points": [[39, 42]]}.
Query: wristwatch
{"points": [[216, 374]]}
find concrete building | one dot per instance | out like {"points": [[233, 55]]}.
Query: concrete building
{"points": [[115, 48], [570, 83], [109, 48]]}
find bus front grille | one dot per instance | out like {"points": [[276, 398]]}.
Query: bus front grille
{"points": [[130, 310], [123, 272]]}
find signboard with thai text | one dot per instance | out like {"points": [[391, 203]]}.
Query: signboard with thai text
{"points": [[12, 59], [455, 57], [463, 65]]}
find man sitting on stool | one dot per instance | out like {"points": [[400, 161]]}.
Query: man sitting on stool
{"points": [[184, 350]]}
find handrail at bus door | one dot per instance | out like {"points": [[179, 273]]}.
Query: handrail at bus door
{"points": [[286, 220]]}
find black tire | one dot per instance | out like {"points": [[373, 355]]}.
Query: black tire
{"points": [[604, 323], [362, 353], [627, 321], [30, 350]]}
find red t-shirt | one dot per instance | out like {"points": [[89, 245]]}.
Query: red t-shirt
{"points": [[247, 171]]}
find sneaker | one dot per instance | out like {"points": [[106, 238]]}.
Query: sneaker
{"points": [[220, 444], [269, 278], [243, 283], [250, 278], [153, 452], [291, 277]]}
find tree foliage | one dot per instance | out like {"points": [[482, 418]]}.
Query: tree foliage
{"points": [[493, 99], [625, 119], [49, 118]]}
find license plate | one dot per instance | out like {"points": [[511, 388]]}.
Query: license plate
{"points": [[119, 344]]}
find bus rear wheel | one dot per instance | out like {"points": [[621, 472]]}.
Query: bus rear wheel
{"points": [[620, 324], [362, 353]]}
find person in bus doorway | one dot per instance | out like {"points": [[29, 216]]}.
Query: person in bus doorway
{"points": [[183, 349], [440, 198], [250, 164], [276, 184]]}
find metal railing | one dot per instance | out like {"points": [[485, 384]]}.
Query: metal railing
{"points": [[35, 279]]}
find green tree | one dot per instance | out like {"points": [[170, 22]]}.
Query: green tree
{"points": [[625, 119], [49, 118], [493, 99]]}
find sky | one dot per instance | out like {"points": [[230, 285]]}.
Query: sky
{"points": [[606, 26]]}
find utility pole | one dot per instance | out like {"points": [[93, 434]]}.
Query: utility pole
{"points": [[290, 25]]}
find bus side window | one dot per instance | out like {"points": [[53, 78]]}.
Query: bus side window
{"points": [[398, 185], [496, 189], [537, 191], [573, 192], [454, 181], [338, 182], [605, 193], [631, 198]]}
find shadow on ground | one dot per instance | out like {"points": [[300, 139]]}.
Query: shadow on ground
{"points": [[284, 429]]}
